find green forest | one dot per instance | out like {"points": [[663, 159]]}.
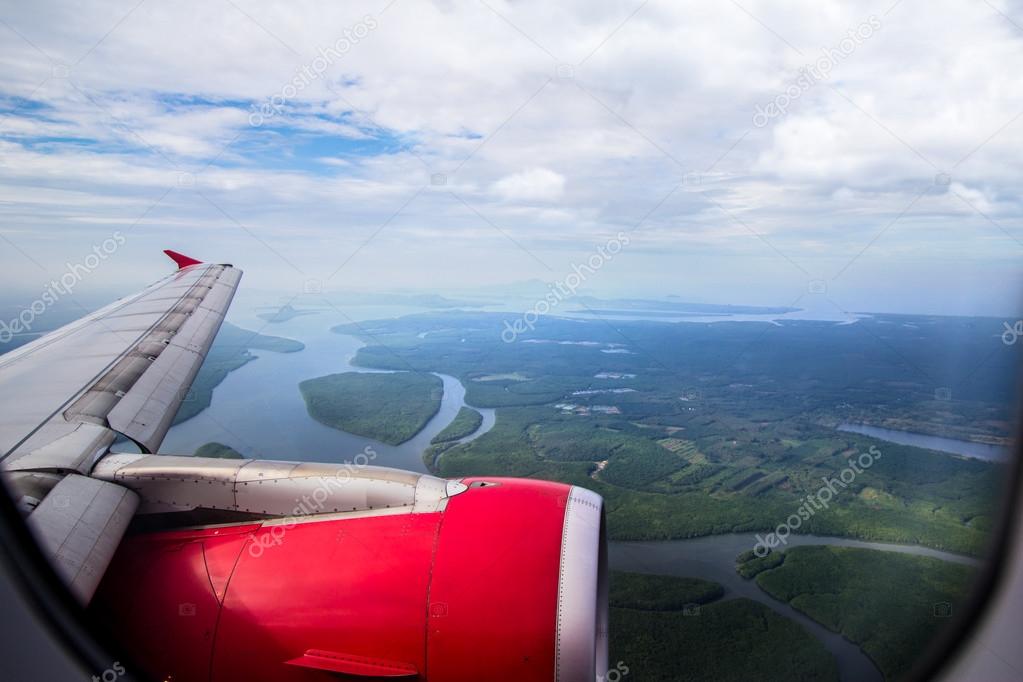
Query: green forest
{"points": [[694, 429], [389, 407], [465, 422], [890, 604], [668, 629]]}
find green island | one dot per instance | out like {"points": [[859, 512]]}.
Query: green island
{"points": [[229, 351], [749, 565], [892, 605], [389, 407], [218, 450], [667, 628], [465, 422], [284, 313]]}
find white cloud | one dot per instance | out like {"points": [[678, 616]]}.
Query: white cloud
{"points": [[535, 184]]}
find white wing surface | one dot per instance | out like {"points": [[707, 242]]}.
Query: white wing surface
{"points": [[65, 397]]}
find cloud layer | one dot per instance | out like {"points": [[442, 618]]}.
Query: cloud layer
{"points": [[456, 144]]}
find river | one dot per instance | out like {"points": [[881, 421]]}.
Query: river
{"points": [[964, 448], [258, 409], [713, 558]]}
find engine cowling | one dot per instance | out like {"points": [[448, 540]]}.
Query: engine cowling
{"points": [[503, 579]]}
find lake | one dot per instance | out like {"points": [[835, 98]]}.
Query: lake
{"points": [[964, 448]]}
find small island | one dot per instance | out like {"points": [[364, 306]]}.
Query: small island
{"points": [[389, 407], [218, 450], [284, 313], [465, 423]]}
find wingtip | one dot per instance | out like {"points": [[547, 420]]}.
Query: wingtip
{"points": [[181, 259]]}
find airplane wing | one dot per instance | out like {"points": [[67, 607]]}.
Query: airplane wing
{"points": [[64, 398], [385, 573]]}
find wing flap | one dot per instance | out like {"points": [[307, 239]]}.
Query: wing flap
{"points": [[76, 451], [146, 411], [79, 525]]}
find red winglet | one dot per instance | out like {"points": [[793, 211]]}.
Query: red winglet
{"points": [[182, 260]]}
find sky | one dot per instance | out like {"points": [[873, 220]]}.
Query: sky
{"points": [[833, 155]]}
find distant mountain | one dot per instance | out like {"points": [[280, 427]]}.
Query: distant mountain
{"points": [[626, 305], [415, 300], [285, 313]]}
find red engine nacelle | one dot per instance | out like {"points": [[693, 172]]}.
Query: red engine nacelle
{"points": [[508, 582]]}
